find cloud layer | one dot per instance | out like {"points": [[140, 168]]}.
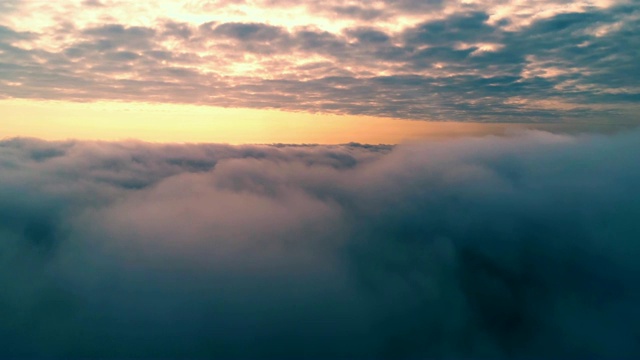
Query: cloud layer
{"points": [[472, 60], [496, 247]]}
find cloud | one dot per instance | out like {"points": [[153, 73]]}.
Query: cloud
{"points": [[470, 61], [249, 32], [477, 247]]}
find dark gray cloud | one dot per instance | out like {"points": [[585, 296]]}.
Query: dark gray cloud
{"points": [[8, 34], [469, 27], [93, 3], [521, 246], [249, 32]]}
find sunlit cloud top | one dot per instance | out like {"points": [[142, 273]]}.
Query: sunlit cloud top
{"points": [[507, 61]]}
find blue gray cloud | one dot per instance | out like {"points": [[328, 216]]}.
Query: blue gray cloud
{"points": [[499, 247]]}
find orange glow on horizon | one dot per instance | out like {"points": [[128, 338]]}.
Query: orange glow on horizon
{"points": [[112, 121], [56, 120]]}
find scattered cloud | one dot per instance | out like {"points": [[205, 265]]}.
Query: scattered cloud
{"points": [[429, 60]]}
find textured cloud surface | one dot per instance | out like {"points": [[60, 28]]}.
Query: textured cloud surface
{"points": [[509, 246], [484, 60]]}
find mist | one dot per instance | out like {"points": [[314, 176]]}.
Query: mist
{"points": [[496, 246]]}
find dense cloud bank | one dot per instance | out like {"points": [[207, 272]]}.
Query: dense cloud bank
{"points": [[496, 246]]}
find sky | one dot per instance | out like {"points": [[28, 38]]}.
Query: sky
{"points": [[277, 179], [306, 64]]}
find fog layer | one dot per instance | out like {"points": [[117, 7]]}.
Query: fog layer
{"points": [[526, 245]]}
